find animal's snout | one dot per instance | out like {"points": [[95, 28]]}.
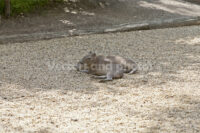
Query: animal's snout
{"points": [[76, 67]]}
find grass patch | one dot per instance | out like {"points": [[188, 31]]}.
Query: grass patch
{"points": [[25, 6]]}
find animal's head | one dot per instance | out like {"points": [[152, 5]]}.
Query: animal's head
{"points": [[88, 59]]}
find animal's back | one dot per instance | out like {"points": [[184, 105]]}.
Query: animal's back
{"points": [[127, 64], [103, 65]]}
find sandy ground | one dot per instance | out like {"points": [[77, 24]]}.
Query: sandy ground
{"points": [[41, 92]]}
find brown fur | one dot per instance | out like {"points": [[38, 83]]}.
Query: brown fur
{"points": [[108, 67]]}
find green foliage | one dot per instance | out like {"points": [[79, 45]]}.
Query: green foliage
{"points": [[25, 6], [1, 6]]}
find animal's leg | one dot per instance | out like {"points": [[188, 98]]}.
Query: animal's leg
{"points": [[125, 70], [85, 71], [133, 71], [105, 80], [109, 77], [100, 77]]}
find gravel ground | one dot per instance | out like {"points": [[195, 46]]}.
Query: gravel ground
{"points": [[41, 92]]}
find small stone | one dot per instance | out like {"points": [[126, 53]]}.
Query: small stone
{"points": [[66, 10], [102, 5], [74, 12], [75, 120]]}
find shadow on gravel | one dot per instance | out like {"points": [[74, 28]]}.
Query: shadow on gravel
{"points": [[182, 117]]}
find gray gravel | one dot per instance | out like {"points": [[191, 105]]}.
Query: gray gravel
{"points": [[41, 92]]}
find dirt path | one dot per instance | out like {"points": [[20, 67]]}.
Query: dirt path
{"points": [[40, 92]]}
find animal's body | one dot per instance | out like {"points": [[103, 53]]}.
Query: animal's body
{"points": [[128, 65], [106, 67]]}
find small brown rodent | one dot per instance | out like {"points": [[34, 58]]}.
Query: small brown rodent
{"points": [[106, 67]]}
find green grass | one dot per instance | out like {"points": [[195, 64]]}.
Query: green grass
{"points": [[1, 6], [25, 6]]}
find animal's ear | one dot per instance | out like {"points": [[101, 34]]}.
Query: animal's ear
{"points": [[92, 54]]}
